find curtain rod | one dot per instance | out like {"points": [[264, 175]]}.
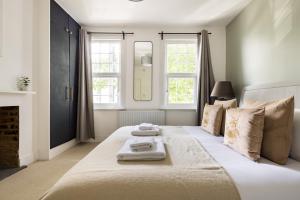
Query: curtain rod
{"points": [[163, 33], [112, 33]]}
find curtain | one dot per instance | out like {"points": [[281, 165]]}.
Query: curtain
{"points": [[206, 77], [85, 114]]}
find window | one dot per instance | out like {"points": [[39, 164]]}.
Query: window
{"points": [[106, 67], [181, 73]]}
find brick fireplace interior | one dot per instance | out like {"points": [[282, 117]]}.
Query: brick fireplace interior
{"points": [[9, 137]]}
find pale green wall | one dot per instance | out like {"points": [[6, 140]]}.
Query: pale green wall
{"points": [[263, 44]]}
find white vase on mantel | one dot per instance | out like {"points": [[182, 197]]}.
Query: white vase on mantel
{"points": [[22, 87], [23, 83]]}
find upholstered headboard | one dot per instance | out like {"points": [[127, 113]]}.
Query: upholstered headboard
{"points": [[275, 91]]}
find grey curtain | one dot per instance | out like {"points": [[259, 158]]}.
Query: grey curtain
{"points": [[206, 77], [85, 114]]}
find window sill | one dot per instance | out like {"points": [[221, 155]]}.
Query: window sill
{"points": [[178, 107], [108, 107]]}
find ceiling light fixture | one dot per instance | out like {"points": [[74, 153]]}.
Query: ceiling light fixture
{"points": [[136, 0]]}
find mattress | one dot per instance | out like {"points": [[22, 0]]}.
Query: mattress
{"points": [[261, 180]]}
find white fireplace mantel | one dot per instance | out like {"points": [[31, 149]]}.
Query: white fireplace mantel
{"points": [[16, 92]]}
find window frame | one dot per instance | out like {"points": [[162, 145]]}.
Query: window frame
{"points": [[119, 75], [167, 76]]}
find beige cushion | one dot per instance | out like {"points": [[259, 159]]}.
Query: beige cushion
{"points": [[226, 105], [212, 118], [278, 126], [244, 131]]}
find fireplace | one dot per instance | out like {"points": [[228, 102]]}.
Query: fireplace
{"points": [[9, 137]]}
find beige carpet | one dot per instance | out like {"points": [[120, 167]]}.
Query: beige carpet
{"points": [[32, 182]]}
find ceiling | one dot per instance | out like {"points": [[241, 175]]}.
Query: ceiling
{"points": [[153, 12]]}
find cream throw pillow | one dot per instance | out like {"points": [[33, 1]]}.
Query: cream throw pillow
{"points": [[244, 131], [212, 119], [278, 127], [226, 105]]}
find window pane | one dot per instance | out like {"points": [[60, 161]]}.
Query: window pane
{"points": [[181, 58], [105, 90], [106, 56], [181, 90]]}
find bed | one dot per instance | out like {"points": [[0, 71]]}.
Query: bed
{"points": [[199, 166]]}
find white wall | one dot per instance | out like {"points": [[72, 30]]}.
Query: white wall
{"points": [[43, 79], [1, 27], [107, 121], [263, 44], [18, 59], [17, 42]]}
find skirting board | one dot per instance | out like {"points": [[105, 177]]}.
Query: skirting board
{"points": [[61, 148], [26, 160]]}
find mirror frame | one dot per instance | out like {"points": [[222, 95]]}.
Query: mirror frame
{"points": [[134, 51]]}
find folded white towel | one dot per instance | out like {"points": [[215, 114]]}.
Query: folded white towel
{"points": [[137, 132], [138, 141], [156, 153], [142, 144], [146, 126], [141, 149]]}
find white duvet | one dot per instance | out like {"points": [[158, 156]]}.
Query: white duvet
{"points": [[261, 180], [187, 173]]}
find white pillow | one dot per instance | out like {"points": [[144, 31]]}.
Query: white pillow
{"points": [[295, 150]]}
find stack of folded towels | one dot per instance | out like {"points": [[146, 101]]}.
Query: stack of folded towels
{"points": [[142, 149], [146, 129]]}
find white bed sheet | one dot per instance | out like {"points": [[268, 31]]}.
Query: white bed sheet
{"points": [[261, 180]]}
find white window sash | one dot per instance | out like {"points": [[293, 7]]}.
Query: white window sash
{"points": [[98, 39], [118, 91], [195, 90], [182, 75], [194, 75], [118, 75]]}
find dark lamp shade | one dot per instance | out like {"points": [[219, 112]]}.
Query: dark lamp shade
{"points": [[223, 90]]}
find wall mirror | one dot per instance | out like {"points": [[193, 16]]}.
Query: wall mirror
{"points": [[143, 62]]}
